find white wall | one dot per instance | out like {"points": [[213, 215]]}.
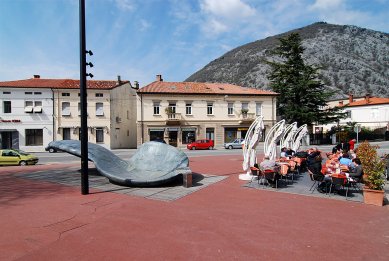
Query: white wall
{"points": [[22, 120]]}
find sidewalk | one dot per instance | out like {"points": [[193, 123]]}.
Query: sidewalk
{"points": [[42, 220]]}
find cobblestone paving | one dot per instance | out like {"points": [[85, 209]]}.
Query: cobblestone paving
{"points": [[169, 192]]}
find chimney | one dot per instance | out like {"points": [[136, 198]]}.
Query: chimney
{"points": [[136, 83], [350, 98], [367, 97], [340, 103], [37, 76], [119, 79], [159, 78]]}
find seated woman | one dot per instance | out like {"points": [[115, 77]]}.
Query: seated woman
{"points": [[356, 172]]}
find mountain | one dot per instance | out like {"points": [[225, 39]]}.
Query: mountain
{"points": [[352, 60]]}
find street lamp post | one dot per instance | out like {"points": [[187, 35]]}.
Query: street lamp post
{"points": [[83, 102]]}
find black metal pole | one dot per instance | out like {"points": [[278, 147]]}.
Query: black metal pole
{"points": [[84, 120]]}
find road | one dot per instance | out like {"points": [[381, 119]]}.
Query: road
{"points": [[126, 154]]}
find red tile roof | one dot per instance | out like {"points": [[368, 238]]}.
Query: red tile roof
{"points": [[200, 88], [372, 101], [60, 84]]}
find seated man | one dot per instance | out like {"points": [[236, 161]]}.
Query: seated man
{"points": [[289, 152], [283, 153], [268, 164], [345, 160]]}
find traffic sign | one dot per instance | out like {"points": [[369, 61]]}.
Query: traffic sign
{"points": [[357, 128]]}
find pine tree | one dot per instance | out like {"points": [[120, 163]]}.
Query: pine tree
{"points": [[302, 96]]}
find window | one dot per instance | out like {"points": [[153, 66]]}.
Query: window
{"points": [[172, 107], [37, 93], [28, 106], [230, 108], [99, 109], [245, 106], [210, 108], [65, 94], [375, 113], [156, 106], [34, 137], [188, 108], [66, 133], [99, 135], [79, 109], [99, 95], [28, 93], [38, 107], [66, 109], [188, 135], [258, 108], [6, 92], [7, 107], [348, 112]]}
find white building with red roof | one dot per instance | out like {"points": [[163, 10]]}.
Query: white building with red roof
{"points": [[35, 111], [369, 112], [179, 112]]}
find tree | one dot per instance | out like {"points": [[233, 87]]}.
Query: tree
{"points": [[302, 97]]}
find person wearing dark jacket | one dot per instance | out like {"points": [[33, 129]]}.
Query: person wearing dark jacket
{"points": [[356, 172]]}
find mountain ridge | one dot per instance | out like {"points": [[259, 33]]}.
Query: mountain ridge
{"points": [[351, 60]]}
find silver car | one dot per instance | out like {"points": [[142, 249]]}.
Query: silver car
{"points": [[236, 144]]}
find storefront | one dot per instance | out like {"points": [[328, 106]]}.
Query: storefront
{"points": [[9, 139], [156, 133], [188, 135]]}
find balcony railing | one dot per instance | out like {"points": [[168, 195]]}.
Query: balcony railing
{"points": [[247, 117], [174, 116]]}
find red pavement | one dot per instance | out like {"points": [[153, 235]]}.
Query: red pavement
{"points": [[224, 221]]}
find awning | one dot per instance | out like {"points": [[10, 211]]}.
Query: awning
{"points": [[243, 129], [188, 129], [172, 129], [28, 109], [157, 129], [38, 109]]}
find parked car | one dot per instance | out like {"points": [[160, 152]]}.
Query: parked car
{"points": [[50, 149], [17, 157], [236, 144], [201, 145]]}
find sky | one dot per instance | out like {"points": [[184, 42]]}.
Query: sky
{"points": [[138, 39]]}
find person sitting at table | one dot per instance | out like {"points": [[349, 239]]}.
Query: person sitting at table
{"points": [[345, 160], [283, 152], [289, 152], [352, 154], [268, 164], [312, 154], [357, 171]]}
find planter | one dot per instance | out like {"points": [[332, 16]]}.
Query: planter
{"points": [[373, 197]]}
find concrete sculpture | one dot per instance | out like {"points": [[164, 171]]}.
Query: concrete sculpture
{"points": [[253, 135], [287, 137], [154, 163], [272, 138], [300, 136]]}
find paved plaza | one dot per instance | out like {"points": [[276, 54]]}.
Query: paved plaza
{"points": [[43, 216]]}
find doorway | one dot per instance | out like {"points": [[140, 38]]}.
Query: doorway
{"points": [[173, 138]]}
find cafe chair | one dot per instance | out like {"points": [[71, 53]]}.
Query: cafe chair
{"points": [[338, 181], [271, 175], [256, 173], [316, 178]]}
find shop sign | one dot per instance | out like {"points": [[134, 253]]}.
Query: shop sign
{"points": [[10, 121]]}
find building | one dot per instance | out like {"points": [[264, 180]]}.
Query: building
{"points": [[26, 117], [180, 112], [111, 107], [369, 112]]}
